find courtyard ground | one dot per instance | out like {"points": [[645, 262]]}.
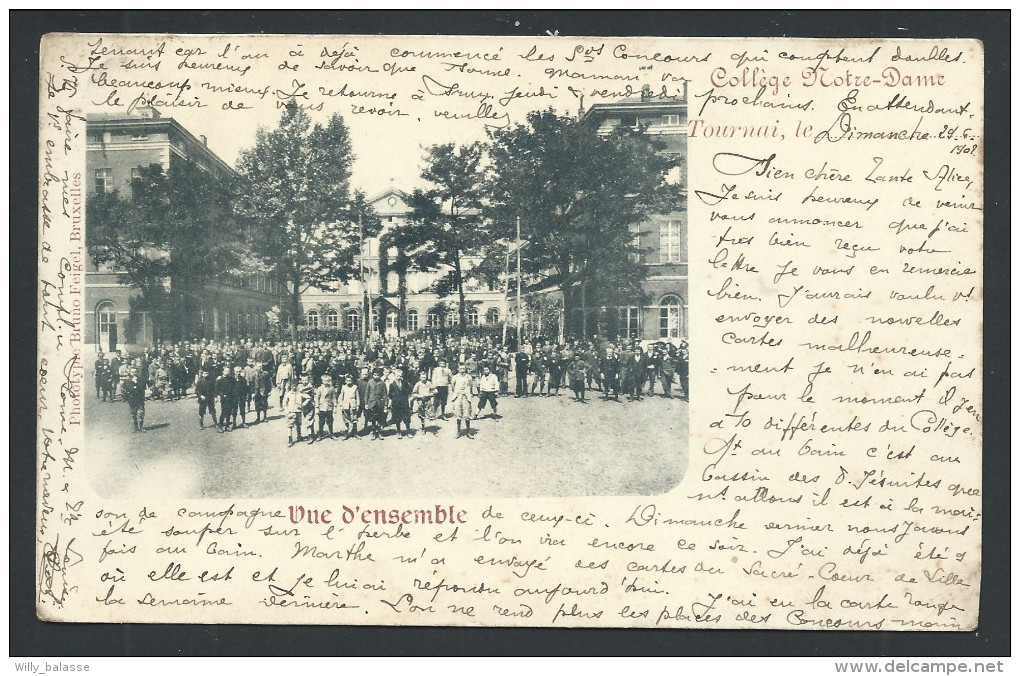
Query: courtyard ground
{"points": [[541, 446]]}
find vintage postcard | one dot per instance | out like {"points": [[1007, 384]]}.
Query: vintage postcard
{"points": [[551, 331]]}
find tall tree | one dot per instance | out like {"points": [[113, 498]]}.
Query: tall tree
{"points": [[446, 224], [581, 197], [296, 196], [173, 235], [399, 239]]}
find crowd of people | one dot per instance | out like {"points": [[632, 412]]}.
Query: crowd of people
{"points": [[348, 389]]}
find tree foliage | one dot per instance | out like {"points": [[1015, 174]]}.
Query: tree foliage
{"points": [[172, 236], [296, 197], [580, 197], [446, 222]]}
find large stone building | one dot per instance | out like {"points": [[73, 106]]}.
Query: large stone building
{"points": [[343, 306], [118, 146], [662, 312]]}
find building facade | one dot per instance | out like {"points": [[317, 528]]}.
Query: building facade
{"points": [[117, 148], [662, 311], [343, 307]]}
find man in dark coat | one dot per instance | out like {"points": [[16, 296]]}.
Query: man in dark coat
{"points": [[226, 393], [260, 394], [102, 377], [637, 368], [667, 370], [652, 367], [206, 392], [363, 381], [539, 367], [521, 366], [578, 375], [375, 403], [133, 391], [178, 377], [242, 392], [610, 375], [251, 375], [400, 404], [115, 364]]}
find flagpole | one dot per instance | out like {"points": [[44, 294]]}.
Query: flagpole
{"points": [[369, 285], [506, 291], [518, 283], [361, 273]]}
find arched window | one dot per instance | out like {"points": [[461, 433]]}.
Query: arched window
{"points": [[433, 319], [106, 325], [354, 321], [313, 319], [451, 318], [670, 317], [412, 320], [492, 316], [472, 316], [332, 319]]}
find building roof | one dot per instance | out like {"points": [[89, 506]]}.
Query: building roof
{"points": [[400, 194], [644, 102], [152, 122]]}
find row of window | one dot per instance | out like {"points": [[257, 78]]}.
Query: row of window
{"points": [[239, 320], [107, 137], [664, 120], [352, 319], [626, 321], [104, 178], [671, 312], [669, 243], [670, 319], [257, 282]]}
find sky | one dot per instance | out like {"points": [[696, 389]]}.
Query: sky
{"points": [[397, 94]]}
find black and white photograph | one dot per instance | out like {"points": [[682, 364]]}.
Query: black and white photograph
{"points": [[316, 309], [396, 329]]}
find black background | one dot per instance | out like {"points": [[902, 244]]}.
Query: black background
{"points": [[30, 637]]}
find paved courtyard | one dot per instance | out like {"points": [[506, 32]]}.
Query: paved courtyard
{"points": [[541, 446]]}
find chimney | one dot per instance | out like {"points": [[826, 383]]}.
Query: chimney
{"points": [[205, 141], [147, 112], [646, 93]]}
